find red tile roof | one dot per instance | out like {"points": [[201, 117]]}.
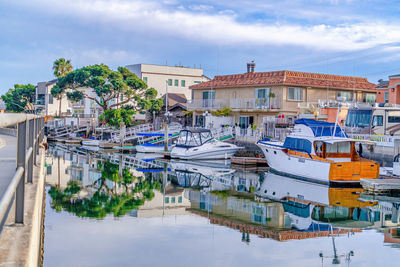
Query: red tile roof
{"points": [[291, 78]]}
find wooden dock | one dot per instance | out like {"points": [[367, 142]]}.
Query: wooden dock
{"points": [[381, 186], [252, 161]]}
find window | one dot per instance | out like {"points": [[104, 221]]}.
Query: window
{"points": [[121, 98], [295, 94], [347, 95], [370, 98], [176, 82], [172, 199], [262, 97], [183, 83], [358, 118], [386, 97], [394, 119], [145, 79], [342, 147], [50, 99], [208, 98], [169, 82], [245, 121], [197, 82], [297, 144], [199, 121], [377, 120], [180, 199], [48, 172], [166, 200]]}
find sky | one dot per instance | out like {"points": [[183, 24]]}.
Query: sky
{"points": [[356, 38]]}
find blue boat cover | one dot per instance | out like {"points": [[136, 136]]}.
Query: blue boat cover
{"points": [[153, 145], [152, 134], [322, 128]]}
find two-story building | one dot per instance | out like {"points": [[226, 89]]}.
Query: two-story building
{"points": [[389, 91], [48, 105], [177, 78], [254, 95]]}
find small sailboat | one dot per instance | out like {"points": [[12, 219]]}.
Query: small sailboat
{"points": [[320, 152], [200, 144]]}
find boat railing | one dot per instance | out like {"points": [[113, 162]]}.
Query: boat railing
{"points": [[29, 134]]}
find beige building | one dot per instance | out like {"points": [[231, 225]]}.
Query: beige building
{"points": [[48, 105], [252, 96], [178, 79]]}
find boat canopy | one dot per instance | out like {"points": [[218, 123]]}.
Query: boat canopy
{"points": [[322, 128], [193, 138]]}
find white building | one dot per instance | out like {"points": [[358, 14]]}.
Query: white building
{"points": [[48, 105], [178, 78]]}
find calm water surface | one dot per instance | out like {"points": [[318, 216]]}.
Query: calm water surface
{"points": [[127, 210]]}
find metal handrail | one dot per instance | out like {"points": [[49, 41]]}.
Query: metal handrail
{"points": [[29, 134]]}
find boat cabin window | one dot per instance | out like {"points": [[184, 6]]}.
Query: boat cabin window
{"points": [[377, 120], [336, 150], [358, 118], [298, 144], [342, 147]]}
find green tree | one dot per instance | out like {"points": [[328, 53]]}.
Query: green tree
{"points": [[106, 84], [61, 68], [113, 117], [20, 98], [104, 200]]}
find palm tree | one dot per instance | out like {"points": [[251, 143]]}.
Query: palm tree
{"points": [[61, 67]]}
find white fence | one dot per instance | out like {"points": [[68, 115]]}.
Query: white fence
{"points": [[380, 140]]}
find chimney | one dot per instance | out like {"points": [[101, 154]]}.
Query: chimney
{"points": [[250, 67]]}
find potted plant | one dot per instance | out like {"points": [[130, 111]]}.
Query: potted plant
{"points": [[271, 95]]}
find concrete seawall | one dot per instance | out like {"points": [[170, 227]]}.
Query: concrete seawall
{"points": [[20, 245]]}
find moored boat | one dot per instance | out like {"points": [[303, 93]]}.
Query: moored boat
{"points": [[200, 144], [320, 152]]}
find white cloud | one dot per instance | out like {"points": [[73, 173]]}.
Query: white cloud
{"points": [[202, 8], [223, 29]]}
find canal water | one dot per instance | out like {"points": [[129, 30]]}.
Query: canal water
{"points": [[137, 210]]}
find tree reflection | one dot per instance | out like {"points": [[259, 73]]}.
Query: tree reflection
{"points": [[115, 193]]}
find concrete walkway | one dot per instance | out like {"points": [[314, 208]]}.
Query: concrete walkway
{"points": [[8, 164], [20, 244]]}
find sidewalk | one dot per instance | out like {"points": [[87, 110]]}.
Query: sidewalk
{"points": [[8, 165]]}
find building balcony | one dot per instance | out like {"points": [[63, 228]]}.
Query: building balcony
{"points": [[40, 102], [255, 103], [210, 104]]}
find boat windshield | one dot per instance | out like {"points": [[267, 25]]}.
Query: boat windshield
{"points": [[188, 138], [358, 118]]}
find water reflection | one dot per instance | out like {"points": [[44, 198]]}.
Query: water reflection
{"points": [[254, 204]]}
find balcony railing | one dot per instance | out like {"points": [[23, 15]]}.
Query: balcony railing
{"points": [[255, 103], [207, 103], [236, 103], [40, 102]]}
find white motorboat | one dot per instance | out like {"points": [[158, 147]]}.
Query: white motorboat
{"points": [[320, 152], [200, 144]]}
